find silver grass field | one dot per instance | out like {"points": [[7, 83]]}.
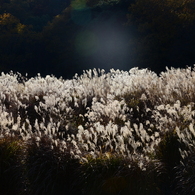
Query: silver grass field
{"points": [[121, 132]]}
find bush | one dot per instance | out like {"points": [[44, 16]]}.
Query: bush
{"points": [[11, 166], [111, 174], [50, 171]]}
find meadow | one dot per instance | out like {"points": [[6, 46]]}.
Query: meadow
{"points": [[120, 132]]}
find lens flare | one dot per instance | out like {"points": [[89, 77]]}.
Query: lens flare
{"points": [[86, 43]]}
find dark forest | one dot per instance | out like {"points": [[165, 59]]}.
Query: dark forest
{"points": [[64, 37]]}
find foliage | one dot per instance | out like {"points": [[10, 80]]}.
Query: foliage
{"points": [[185, 176], [98, 133], [50, 171], [11, 166], [35, 34], [164, 29], [113, 174]]}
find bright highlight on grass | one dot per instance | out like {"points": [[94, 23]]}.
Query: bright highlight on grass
{"points": [[97, 131]]}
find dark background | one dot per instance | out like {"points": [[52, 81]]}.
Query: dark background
{"points": [[64, 37]]}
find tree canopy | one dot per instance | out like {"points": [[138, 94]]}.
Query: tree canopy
{"points": [[57, 36], [166, 30]]}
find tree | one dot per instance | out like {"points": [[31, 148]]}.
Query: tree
{"points": [[10, 24], [162, 26]]}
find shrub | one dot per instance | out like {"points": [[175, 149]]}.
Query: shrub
{"points": [[185, 176], [11, 166], [114, 174], [50, 171]]}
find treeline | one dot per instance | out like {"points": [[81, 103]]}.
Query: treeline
{"points": [[64, 37], [165, 32]]}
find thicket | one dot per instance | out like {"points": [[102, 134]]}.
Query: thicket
{"points": [[35, 34], [100, 133]]}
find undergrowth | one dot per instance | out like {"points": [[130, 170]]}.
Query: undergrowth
{"points": [[121, 132]]}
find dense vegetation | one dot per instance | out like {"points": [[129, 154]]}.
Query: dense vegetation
{"points": [[99, 133], [118, 132], [62, 37]]}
